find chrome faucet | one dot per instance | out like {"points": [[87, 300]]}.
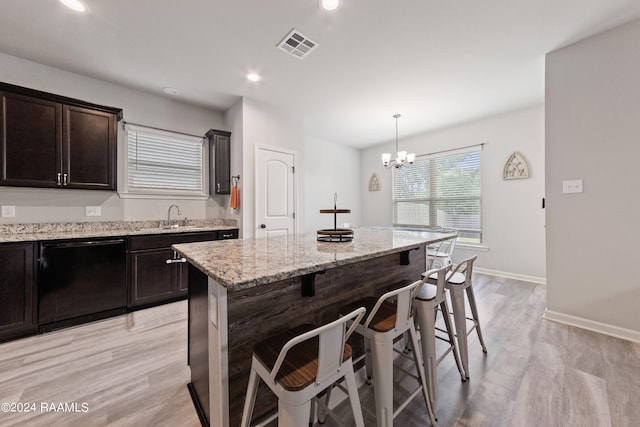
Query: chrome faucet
{"points": [[169, 222]]}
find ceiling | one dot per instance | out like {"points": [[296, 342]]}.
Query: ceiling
{"points": [[437, 63]]}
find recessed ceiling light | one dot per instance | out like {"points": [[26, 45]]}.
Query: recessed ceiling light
{"points": [[330, 5], [253, 77], [74, 4], [171, 91]]}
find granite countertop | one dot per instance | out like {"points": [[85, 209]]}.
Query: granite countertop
{"points": [[81, 230], [245, 263]]}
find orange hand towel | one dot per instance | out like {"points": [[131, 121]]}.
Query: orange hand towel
{"points": [[233, 202]]}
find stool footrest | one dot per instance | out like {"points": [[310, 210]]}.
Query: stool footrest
{"points": [[407, 401]]}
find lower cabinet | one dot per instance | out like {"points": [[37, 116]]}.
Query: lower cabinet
{"points": [[18, 295], [156, 273], [151, 278]]}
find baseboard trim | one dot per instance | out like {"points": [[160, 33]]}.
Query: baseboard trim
{"points": [[507, 275], [591, 325]]}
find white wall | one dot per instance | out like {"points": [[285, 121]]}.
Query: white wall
{"points": [[593, 134], [266, 125], [331, 168], [61, 205], [234, 120], [512, 217]]}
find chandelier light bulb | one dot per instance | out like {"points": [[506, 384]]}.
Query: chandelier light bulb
{"points": [[402, 157]]}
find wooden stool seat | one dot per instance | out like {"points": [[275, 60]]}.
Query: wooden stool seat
{"points": [[300, 366], [383, 320]]}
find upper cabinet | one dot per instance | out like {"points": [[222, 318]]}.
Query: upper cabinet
{"points": [[56, 142], [219, 161]]}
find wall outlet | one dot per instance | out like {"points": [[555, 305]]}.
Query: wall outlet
{"points": [[572, 186], [8, 211], [93, 211]]}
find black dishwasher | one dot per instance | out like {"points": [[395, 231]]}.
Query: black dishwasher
{"points": [[81, 280]]}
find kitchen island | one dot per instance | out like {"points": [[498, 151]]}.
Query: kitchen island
{"points": [[241, 291]]}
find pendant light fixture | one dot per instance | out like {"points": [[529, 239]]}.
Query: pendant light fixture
{"points": [[402, 157]]}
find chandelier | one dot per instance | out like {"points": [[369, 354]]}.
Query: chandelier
{"points": [[402, 157]]}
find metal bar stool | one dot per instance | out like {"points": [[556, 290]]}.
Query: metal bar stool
{"points": [[431, 296], [385, 322], [459, 283], [440, 255], [300, 363]]}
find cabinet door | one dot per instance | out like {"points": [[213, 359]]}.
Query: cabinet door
{"points": [[89, 149], [183, 279], [17, 290], [223, 167], [31, 141], [151, 278], [219, 161]]}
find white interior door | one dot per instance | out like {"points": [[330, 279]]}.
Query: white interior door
{"points": [[275, 193]]}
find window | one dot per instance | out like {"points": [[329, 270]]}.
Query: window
{"points": [[440, 191], [161, 162]]}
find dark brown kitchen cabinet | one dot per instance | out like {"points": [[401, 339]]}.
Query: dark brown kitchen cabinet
{"points": [[18, 295], [152, 279], [56, 142], [89, 148], [219, 161], [156, 273]]}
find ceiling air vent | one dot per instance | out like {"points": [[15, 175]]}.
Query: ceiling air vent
{"points": [[297, 44]]}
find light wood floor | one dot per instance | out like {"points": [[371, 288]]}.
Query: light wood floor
{"points": [[536, 373]]}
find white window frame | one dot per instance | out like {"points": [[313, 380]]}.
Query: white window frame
{"points": [[432, 217], [129, 192]]}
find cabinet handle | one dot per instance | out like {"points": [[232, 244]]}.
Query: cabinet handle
{"points": [[59, 181], [226, 236], [64, 180], [218, 186], [176, 261]]}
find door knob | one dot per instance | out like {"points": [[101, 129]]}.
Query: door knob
{"points": [[263, 226]]}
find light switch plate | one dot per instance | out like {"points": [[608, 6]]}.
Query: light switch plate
{"points": [[572, 186], [8, 211], [93, 211]]}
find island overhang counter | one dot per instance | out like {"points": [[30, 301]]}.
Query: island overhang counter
{"points": [[241, 291]]}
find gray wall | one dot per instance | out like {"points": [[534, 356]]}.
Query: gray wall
{"points": [[593, 134], [512, 218], [331, 168]]}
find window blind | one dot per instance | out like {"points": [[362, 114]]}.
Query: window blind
{"points": [[440, 191], [164, 161]]}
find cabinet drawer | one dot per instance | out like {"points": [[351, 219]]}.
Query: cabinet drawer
{"points": [[166, 240]]}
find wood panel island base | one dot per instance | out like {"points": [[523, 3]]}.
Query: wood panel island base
{"points": [[241, 291]]}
